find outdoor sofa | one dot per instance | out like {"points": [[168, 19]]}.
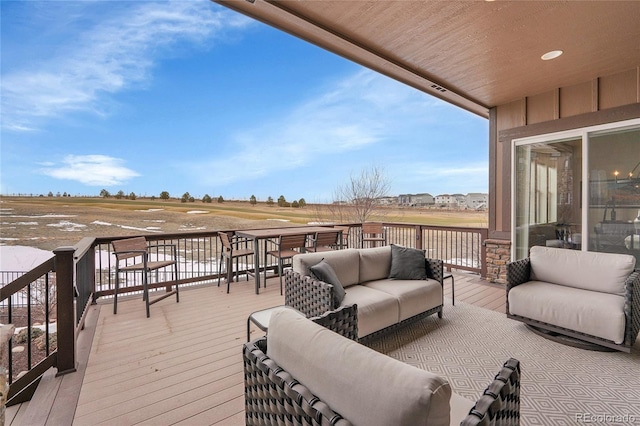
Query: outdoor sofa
{"points": [[587, 296], [305, 374], [392, 285]]}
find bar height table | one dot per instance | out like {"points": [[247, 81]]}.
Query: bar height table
{"points": [[264, 234]]}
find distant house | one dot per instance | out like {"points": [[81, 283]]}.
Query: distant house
{"points": [[452, 201], [387, 200], [477, 201], [418, 200]]}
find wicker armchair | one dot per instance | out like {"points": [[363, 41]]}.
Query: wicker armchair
{"points": [[273, 396], [519, 272], [500, 402]]}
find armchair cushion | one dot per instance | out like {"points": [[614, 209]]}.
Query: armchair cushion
{"points": [[385, 391], [324, 272], [407, 263], [589, 312], [603, 272]]}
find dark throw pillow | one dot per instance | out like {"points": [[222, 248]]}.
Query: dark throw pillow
{"points": [[324, 272], [407, 263]]}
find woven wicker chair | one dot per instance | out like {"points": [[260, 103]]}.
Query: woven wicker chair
{"points": [[519, 272], [499, 404], [273, 396]]}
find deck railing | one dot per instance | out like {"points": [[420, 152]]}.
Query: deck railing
{"points": [[78, 276]]}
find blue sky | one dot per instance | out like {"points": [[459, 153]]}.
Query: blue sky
{"points": [[180, 96]]}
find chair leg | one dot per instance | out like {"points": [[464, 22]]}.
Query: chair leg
{"points": [[175, 268], [280, 268], [115, 293], [220, 268], [229, 273], [145, 285]]}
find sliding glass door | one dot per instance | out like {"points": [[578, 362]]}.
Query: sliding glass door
{"points": [[547, 202], [578, 190], [614, 191]]}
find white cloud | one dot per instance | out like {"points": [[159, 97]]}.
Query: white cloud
{"points": [[357, 112], [107, 58], [92, 170]]}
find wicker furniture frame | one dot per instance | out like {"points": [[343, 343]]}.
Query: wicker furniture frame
{"points": [[519, 272], [273, 396], [313, 297]]}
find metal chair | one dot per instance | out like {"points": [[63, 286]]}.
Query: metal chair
{"points": [[373, 233], [288, 246], [324, 241], [231, 251], [137, 250], [344, 236]]}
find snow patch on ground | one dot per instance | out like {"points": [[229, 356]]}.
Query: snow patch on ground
{"points": [[280, 220], [150, 210], [67, 226], [22, 258], [148, 228]]}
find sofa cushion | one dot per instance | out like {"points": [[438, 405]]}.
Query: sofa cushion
{"points": [[376, 309], [407, 263], [375, 263], [324, 272], [345, 263], [365, 387], [590, 312], [414, 296], [605, 272]]}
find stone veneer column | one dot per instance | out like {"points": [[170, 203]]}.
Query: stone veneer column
{"points": [[498, 254]]}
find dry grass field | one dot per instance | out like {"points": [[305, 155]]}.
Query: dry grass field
{"points": [[51, 222]]}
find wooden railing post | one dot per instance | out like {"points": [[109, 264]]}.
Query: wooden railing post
{"points": [[484, 234], [64, 267], [418, 236]]}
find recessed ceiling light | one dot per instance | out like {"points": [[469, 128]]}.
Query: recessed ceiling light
{"points": [[551, 55]]}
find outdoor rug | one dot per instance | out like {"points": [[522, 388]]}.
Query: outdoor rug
{"points": [[561, 385]]}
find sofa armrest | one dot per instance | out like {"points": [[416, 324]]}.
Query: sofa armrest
{"points": [[343, 321], [500, 402], [632, 307], [307, 295], [518, 272], [272, 394], [435, 269]]}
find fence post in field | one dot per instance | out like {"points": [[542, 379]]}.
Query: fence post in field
{"points": [[66, 327]]}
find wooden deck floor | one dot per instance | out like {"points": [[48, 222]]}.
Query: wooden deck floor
{"points": [[183, 365]]}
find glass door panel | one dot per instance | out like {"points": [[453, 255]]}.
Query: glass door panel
{"points": [[614, 191], [547, 195]]}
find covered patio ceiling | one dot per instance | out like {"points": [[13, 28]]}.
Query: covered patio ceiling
{"points": [[473, 54]]}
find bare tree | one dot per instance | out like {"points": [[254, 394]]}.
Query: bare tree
{"points": [[358, 199]]}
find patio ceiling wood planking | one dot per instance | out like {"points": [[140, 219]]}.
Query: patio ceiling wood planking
{"points": [[184, 365]]}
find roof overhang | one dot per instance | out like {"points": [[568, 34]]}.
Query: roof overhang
{"points": [[473, 54]]}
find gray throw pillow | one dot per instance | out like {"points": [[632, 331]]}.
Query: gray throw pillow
{"points": [[324, 272], [407, 263]]}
